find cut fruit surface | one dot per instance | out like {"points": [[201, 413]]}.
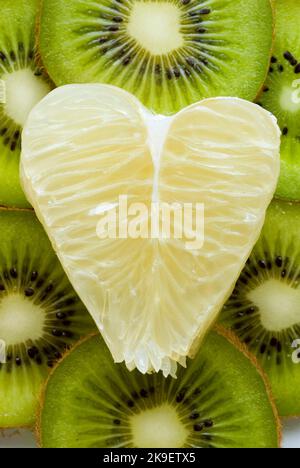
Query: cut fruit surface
{"points": [[168, 53], [264, 310], [220, 401], [40, 315], [281, 94], [22, 85], [153, 297], [22, 89]]}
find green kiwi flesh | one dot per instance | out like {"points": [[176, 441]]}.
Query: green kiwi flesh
{"points": [[169, 53], [220, 400], [40, 315], [22, 85], [281, 94], [264, 309]]}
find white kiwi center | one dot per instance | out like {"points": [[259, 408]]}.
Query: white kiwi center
{"points": [[20, 319], [290, 98], [158, 427], [22, 91], [156, 26], [278, 303]]}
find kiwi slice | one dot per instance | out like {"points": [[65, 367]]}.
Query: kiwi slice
{"points": [[40, 315], [281, 94], [169, 53], [220, 400], [264, 309], [22, 84]]}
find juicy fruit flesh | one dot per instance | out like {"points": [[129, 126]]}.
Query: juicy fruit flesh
{"points": [[20, 320], [279, 305], [218, 401], [152, 299], [164, 19], [158, 427], [168, 53], [23, 90]]}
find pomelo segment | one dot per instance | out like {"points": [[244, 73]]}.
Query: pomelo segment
{"points": [[84, 146]]}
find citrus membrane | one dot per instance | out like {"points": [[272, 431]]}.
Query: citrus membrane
{"points": [[153, 297]]}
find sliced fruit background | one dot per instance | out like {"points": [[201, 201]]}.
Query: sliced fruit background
{"points": [[22, 84], [210, 405], [40, 315], [264, 309], [199, 49], [281, 94]]}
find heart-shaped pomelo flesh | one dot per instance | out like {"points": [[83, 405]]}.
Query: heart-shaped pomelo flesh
{"points": [[152, 299]]}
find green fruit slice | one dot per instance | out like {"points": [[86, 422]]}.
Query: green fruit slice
{"points": [[40, 315], [264, 310], [198, 50], [23, 83], [281, 94], [220, 400]]}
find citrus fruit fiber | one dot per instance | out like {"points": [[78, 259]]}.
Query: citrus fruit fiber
{"points": [[84, 146]]}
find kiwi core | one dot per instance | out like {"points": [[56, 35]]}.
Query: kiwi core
{"points": [[278, 303], [290, 99], [21, 320], [22, 91], [158, 427], [160, 33]]}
